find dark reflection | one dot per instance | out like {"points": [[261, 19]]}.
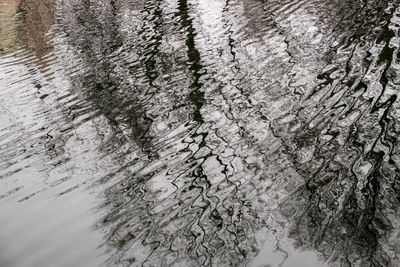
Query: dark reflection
{"points": [[161, 207], [176, 197], [196, 96], [99, 42], [212, 130], [348, 208]]}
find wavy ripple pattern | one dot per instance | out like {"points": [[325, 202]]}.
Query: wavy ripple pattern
{"points": [[191, 133]]}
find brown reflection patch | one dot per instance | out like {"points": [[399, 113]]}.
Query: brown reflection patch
{"points": [[37, 18], [9, 40]]}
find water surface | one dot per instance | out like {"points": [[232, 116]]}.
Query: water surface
{"points": [[189, 133]]}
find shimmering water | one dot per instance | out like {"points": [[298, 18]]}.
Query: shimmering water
{"points": [[208, 132]]}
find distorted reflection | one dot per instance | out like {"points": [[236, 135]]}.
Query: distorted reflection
{"points": [[227, 133], [36, 19], [9, 39], [27, 23]]}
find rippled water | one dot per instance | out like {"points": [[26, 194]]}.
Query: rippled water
{"points": [[188, 133]]}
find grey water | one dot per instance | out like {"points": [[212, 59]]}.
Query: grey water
{"points": [[199, 133]]}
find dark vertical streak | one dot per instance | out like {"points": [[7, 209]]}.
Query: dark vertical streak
{"points": [[196, 95]]}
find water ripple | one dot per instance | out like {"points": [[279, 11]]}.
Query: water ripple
{"points": [[187, 133]]}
